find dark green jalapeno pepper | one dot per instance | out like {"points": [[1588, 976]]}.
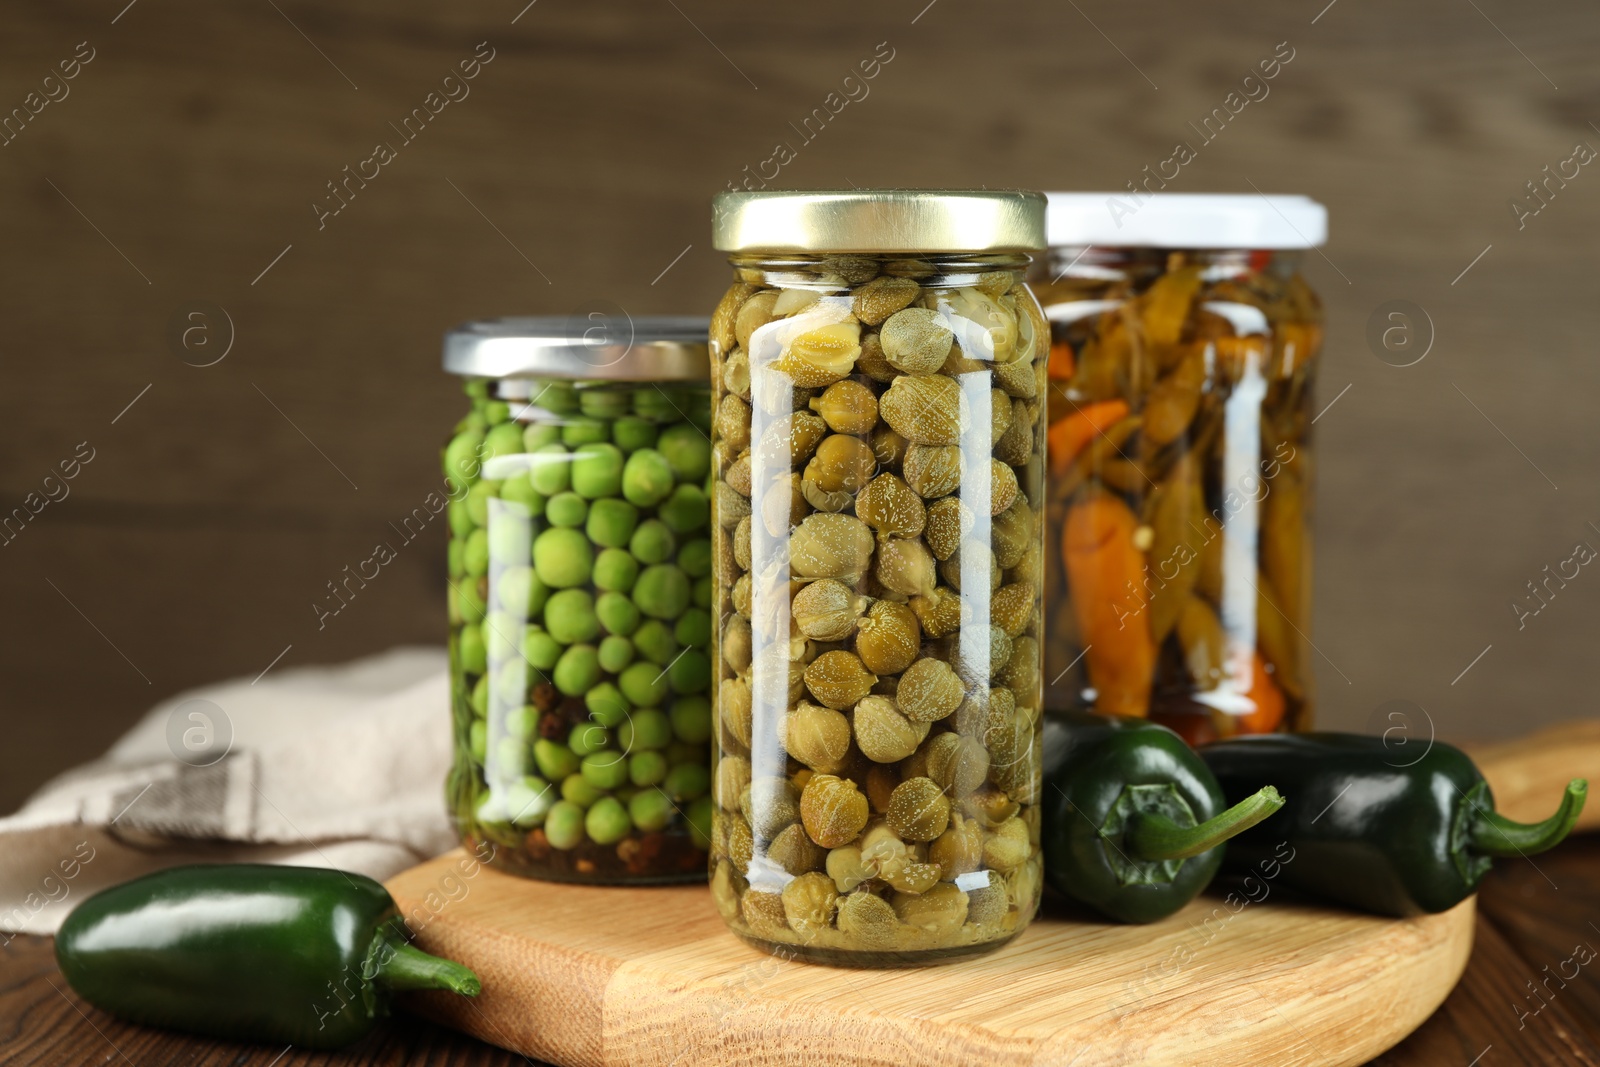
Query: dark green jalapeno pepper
{"points": [[252, 952], [1133, 822], [1374, 826]]}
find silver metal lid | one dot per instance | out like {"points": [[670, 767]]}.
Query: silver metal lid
{"points": [[601, 345], [879, 220]]}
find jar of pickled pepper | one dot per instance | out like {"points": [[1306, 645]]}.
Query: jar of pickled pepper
{"points": [[580, 597], [1184, 346], [878, 369]]}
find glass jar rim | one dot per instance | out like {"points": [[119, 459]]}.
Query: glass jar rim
{"points": [[869, 221], [610, 345]]}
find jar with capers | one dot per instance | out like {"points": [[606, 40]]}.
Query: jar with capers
{"points": [[878, 370], [1183, 360], [580, 597]]}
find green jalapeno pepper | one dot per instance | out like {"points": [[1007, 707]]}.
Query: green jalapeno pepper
{"points": [[1374, 826], [1133, 822], [252, 952]]}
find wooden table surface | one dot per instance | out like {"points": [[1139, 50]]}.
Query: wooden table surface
{"points": [[1532, 916]]}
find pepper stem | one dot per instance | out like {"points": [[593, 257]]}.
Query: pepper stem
{"points": [[1152, 837], [401, 965], [1495, 835]]}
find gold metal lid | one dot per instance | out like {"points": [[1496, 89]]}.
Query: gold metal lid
{"points": [[879, 220]]}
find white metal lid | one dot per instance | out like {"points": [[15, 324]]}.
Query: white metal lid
{"points": [[1184, 220], [601, 346]]}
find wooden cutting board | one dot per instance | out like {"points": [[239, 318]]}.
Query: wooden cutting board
{"points": [[591, 976], [597, 977]]}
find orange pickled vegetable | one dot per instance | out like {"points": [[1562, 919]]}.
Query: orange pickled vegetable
{"points": [[1268, 699], [1070, 435], [1105, 571], [1062, 363]]}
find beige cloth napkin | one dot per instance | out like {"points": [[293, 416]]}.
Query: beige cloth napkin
{"points": [[315, 766]]}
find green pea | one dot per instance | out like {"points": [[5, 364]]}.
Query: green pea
{"points": [[693, 627], [605, 770], [647, 728], [551, 470], [658, 404], [694, 558], [474, 654], [508, 536], [686, 510], [566, 509], [704, 592], [556, 761], [510, 685], [478, 498], [647, 768], [502, 440], [587, 737], [654, 641], [687, 450], [607, 822], [470, 599], [576, 789], [528, 801], [569, 616], [477, 388], [538, 594], [597, 469], [584, 431], [662, 591], [606, 705], [652, 542], [461, 459], [691, 719], [563, 826], [491, 813], [519, 490], [632, 433], [616, 652], [471, 421], [460, 519], [539, 434], [512, 590], [540, 649], [604, 403], [456, 564], [690, 672], [520, 722], [475, 556], [510, 757], [576, 670], [699, 815], [644, 684], [562, 558], [480, 697], [615, 570], [618, 614], [611, 523], [651, 809], [502, 636], [687, 781], [496, 411], [557, 396], [478, 740], [647, 478]]}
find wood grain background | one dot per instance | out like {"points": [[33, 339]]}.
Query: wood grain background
{"points": [[189, 151]]}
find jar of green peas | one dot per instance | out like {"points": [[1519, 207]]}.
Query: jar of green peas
{"points": [[580, 596]]}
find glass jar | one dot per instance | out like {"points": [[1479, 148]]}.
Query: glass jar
{"points": [[878, 370], [580, 596], [1183, 350]]}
